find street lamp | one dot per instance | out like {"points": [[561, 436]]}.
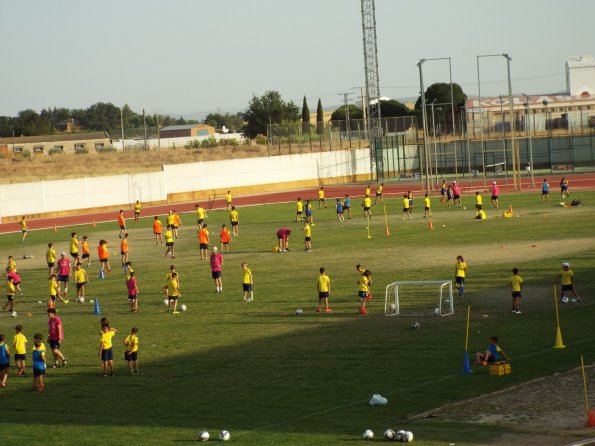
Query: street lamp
{"points": [[528, 131], [122, 126], [425, 118], [434, 131], [514, 151]]}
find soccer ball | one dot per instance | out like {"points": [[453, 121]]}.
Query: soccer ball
{"points": [[573, 300], [183, 307], [13, 314], [389, 435], [392, 307], [564, 300], [299, 312], [368, 435], [203, 436], [407, 437], [464, 208], [436, 311], [224, 435], [415, 325], [399, 435], [81, 300], [165, 301]]}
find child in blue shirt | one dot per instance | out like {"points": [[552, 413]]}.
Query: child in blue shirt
{"points": [[492, 354], [339, 207], [39, 364], [4, 361]]}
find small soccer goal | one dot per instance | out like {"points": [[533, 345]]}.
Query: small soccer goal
{"points": [[419, 298]]}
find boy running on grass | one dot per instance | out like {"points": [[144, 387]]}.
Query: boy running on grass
{"points": [[132, 292], [55, 337], [247, 284], [81, 279], [173, 292], [347, 206], [121, 223], [367, 204], [39, 362], [200, 215], [19, 342], [157, 230], [74, 248], [24, 228], [225, 238], [516, 285], [86, 252], [323, 286], [103, 253], [105, 349], [406, 207], [169, 243], [339, 208], [10, 293], [131, 355], [54, 291]]}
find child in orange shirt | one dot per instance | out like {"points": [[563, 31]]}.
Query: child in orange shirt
{"points": [[124, 249], [157, 230], [225, 237]]}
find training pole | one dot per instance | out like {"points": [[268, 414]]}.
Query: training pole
{"points": [[559, 343], [369, 236], [386, 231], [585, 385], [466, 366]]}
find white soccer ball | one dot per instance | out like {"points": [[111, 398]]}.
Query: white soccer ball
{"points": [[389, 435], [39, 302], [464, 208], [573, 300], [13, 314], [407, 437], [165, 301], [415, 325], [183, 307], [91, 301], [392, 307], [399, 435], [203, 436], [564, 300], [81, 300], [224, 436], [368, 434], [436, 311], [299, 312]]}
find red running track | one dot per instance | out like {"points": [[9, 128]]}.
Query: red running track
{"points": [[355, 190]]}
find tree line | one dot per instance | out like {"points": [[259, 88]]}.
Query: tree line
{"points": [[262, 111]]}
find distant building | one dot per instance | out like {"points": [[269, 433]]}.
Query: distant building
{"points": [[580, 76], [69, 125], [65, 142], [177, 131]]}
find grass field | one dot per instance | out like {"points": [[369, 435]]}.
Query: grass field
{"points": [[273, 378]]}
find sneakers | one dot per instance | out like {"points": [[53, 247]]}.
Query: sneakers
{"points": [[328, 310], [363, 311], [318, 309], [518, 311], [176, 312], [64, 363]]}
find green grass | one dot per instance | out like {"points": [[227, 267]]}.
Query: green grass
{"points": [[271, 377]]}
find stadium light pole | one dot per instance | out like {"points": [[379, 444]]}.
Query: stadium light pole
{"points": [[528, 131], [424, 121], [122, 125], [434, 131]]}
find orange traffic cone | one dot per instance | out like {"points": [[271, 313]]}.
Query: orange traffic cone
{"points": [[93, 222], [430, 225], [55, 228]]}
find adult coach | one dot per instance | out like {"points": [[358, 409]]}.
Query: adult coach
{"points": [[456, 190], [56, 337], [495, 189], [283, 237], [216, 266]]}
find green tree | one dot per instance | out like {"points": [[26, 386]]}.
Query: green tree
{"points": [[216, 120], [394, 109], [440, 93], [265, 109], [354, 113], [305, 116], [319, 118], [29, 123]]}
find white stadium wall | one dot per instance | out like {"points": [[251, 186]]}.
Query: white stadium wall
{"points": [[181, 181]]}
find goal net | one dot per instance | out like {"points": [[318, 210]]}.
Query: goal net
{"points": [[419, 298]]}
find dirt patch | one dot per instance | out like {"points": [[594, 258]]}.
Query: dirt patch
{"points": [[544, 411]]}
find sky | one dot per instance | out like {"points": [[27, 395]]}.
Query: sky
{"points": [[191, 57]]}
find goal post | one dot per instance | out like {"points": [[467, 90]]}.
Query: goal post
{"points": [[419, 298]]}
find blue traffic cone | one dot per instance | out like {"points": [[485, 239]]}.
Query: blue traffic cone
{"points": [[466, 366], [97, 310], [101, 274]]}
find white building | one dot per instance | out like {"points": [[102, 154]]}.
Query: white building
{"points": [[580, 76]]}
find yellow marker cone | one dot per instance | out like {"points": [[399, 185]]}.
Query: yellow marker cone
{"points": [[559, 342]]}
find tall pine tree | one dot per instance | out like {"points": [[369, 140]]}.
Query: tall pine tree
{"points": [[305, 116], [319, 118]]}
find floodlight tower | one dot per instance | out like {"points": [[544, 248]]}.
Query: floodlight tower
{"points": [[373, 124]]}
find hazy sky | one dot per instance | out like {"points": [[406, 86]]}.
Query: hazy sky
{"points": [[195, 56]]}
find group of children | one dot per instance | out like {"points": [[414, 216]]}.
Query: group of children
{"points": [[19, 342]]}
